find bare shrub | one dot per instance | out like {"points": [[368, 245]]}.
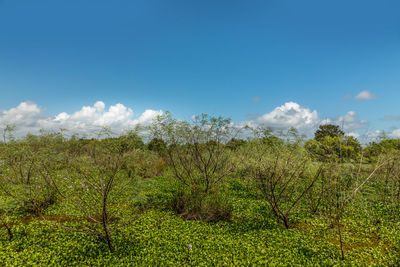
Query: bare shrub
{"points": [[199, 158], [93, 184], [282, 173]]}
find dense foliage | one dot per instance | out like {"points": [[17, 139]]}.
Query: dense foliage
{"points": [[330, 143], [197, 194]]}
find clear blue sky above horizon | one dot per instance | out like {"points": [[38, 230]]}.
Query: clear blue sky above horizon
{"points": [[230, 58]]}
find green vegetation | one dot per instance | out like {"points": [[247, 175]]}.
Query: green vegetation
{"points": [[197, 194], [330, 143]]}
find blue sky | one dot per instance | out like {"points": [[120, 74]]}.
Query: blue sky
{"points": [[239, 59]]}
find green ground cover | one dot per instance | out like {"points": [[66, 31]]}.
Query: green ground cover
{"points": [[160, 237]]}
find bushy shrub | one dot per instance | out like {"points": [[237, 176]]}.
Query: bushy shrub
{"points": [[345, 148], [157, 145], [195, 205]]}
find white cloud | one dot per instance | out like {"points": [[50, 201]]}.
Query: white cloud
{"points": [[288, 115], [365, 95], [348, 122], [99, 105], [117, 115], [26, 112], [395, 133], [25, 116], [28, 117], [148, 116], [62, 117], [351, 121], [306, 121]]}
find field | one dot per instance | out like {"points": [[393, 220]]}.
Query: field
{"points": [[201, 201]]}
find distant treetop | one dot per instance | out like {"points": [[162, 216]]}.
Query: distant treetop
{"points": [[328, 130]]}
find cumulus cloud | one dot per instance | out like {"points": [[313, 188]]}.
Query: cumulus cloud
{"points": [[25, 113], [365, 95], [305, 120], [148, 116], [28, 117], [287, 115]]}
